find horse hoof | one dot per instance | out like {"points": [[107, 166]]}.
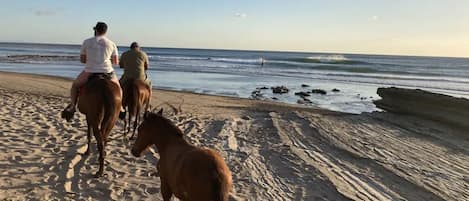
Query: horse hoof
{"points": [[122, 115], [67, 115], [98, 174]]}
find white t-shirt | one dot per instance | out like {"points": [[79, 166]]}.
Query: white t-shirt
{"points": [[98, 51]]}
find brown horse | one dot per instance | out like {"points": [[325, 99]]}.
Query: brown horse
{"points": [[136, 96], [100, 101], [188, 172]]}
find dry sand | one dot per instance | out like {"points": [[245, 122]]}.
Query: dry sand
{"points": [[275, 151]]}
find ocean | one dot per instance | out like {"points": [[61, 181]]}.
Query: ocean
{"points": [[238, 73]]}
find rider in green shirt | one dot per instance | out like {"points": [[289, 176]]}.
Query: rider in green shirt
{"points": [[135, 64]]}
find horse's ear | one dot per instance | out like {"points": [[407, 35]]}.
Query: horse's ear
{"points": [[160, 112]]}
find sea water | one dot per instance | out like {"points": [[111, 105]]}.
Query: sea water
{"points": [[238, 73]]}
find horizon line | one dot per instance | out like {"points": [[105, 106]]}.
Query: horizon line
{"points": [[255, 50]]}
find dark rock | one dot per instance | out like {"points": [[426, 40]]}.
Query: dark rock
{"points": [[256, 94], [245, 118], [442, 108], [263, 88], [335, 90], [274, 98], [304, 101], [280, 90], [319, 91], [302, 94], [305, 85]]}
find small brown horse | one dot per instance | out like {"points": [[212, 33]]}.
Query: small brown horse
{"points": [[136, 96], [100, 101], [188, 172]]}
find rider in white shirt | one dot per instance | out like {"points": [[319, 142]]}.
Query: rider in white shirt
{"points": [[98, 54]]}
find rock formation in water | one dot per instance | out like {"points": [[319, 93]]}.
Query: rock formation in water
{"points": [[424, 104]]}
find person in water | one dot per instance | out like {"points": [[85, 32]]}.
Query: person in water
{"points": [[99, 54], [135, 64]]}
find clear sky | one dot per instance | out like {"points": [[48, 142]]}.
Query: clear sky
{"points": [[404, 27]]}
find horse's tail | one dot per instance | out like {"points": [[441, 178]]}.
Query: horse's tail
{"points": [[221, 186], [109, 105]]}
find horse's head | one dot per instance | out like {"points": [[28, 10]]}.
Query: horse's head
{"points": [[148, 132]]}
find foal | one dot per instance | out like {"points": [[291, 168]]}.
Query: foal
{"points": [[187, 171]]}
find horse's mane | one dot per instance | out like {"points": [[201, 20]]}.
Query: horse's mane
{"points": [[156, 117]]}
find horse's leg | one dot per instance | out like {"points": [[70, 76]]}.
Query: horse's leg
{"points": [[125, 123], [129, 122], [100, 142], [165, 190], [89, 138], [147, 104], [137, 117]]}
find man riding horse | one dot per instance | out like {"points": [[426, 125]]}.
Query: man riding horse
{"points": [[135, 64], [98, 53], [100, 96], [135, 85]]}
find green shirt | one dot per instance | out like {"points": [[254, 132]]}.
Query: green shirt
{"points": [[133, 62]]}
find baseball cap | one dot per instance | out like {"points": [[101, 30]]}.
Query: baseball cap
{"points": [[134, 45], [100, 27]]}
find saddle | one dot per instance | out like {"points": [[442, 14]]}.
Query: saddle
{"points": [[101, 76], [95, 76]]}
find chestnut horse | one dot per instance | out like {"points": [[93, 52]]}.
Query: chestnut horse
{"points": [[136, 96], [100, 101], [187, 171]]}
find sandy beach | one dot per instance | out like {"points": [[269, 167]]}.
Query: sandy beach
{"points": [[275, 151]]}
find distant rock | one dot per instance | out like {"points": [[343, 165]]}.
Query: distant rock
{"points": [[302, 94], [262, 88], [307, 100], [319, 91], [274, 98], [256, 94], [280, 90], [335, 90], [256, 91], [304, 101], [305, 85]]}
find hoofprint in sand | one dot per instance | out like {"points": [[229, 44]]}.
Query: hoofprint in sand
{"points": [[275, 151]]}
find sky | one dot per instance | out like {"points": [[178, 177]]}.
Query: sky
{"points": [[398, 27]]}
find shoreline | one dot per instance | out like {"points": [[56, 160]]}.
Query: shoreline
{"points": [[268, 103], [274, 150]]}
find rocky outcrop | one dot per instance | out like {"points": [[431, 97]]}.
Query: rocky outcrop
{"points": [[280, 90], [302, 94], [424, 104], [319, 91]]}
